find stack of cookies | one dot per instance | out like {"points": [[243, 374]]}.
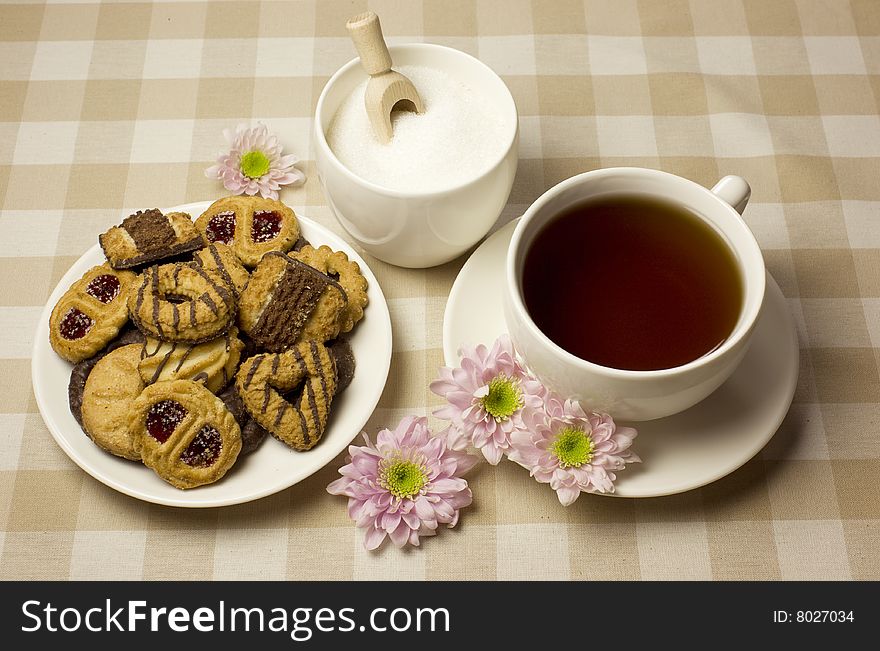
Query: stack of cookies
{"points": [[193, 341]]}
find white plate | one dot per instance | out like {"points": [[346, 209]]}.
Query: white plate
{"points": [[274, 466], [681, 452]]}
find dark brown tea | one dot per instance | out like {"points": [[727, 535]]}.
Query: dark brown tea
{"points": [[632, 283]]}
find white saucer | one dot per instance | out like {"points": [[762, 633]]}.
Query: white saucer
{"points": [[274, 466], [681, 452]]}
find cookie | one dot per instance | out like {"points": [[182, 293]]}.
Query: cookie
{"points": [[212, 362], [90, 313], [81, 370], [220, 259], [287, 301], [343, 355], [337, 265], [263, 379], [106, 403], [251, 226], [252, 433], [185, 303], [149, 236], [185, 433]]}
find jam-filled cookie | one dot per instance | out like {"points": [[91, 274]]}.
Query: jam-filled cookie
{"points": [[337, 265], [149, 236], [111, 387], [178, 302], [91, 313], [263, 379], [81, 370], [251, 226], [287, 301], [186, 433], [212, 362], [220, 259]]}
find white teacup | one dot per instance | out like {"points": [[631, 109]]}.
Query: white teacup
{"points": [[418, 229], [637, 395]]}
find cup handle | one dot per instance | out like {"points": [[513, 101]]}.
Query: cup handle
{"points": [[734, 190]]}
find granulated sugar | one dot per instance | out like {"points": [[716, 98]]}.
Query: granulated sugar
{"points": [[456, 139]]}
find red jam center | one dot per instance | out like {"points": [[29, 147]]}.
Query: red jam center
{"points": [[104, 288], [267, 225], [221, 227], [204, 449], [163, 418], [75, 324]]}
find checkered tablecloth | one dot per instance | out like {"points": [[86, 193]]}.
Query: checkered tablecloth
{"points": [[107, 108]]}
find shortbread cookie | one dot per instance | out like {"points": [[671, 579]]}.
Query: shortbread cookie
{"points": [[81, 370], [212, 362], [220, 259], [149, 236], [110, 389], [186, 434], [251, 226], [91, 313], [337, 265], [263, 379], [287, 301], [252, 433], [178, 302]]}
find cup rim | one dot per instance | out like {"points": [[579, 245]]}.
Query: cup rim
{"points": [[324, 146], [514, 293]]}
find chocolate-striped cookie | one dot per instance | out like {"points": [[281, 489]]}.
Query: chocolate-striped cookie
{"points": [[263, 379]]}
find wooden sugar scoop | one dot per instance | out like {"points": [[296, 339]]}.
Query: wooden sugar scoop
{"points": [[386, 89]]}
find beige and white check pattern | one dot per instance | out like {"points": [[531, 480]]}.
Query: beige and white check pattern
{"points": [[107, 108]]}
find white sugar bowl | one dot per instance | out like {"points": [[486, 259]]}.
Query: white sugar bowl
{"points": [[419, 229]]}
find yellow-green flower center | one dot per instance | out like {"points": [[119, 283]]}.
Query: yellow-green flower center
{"points": [[254, 164], [402, 478], [504, 397], [573, 447]]}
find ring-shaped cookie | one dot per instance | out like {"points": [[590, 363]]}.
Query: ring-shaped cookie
{"points": [[90, 314], [206, 311], [263, 379], [185, 433], [251, 226], [347, 272]]}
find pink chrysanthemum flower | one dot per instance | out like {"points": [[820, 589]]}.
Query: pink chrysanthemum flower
{"points": [[488, 397], [254, 163], [405, 485], [573, 451]]}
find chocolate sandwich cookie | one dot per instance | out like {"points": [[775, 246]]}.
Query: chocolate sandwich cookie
{"points": [[343, 355], [149, 236], [212, 362], [287, 301], [348, 273], [263, 380], [185, 303], [250, 226], [90, 314], [81, 370], [252, 433]]}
